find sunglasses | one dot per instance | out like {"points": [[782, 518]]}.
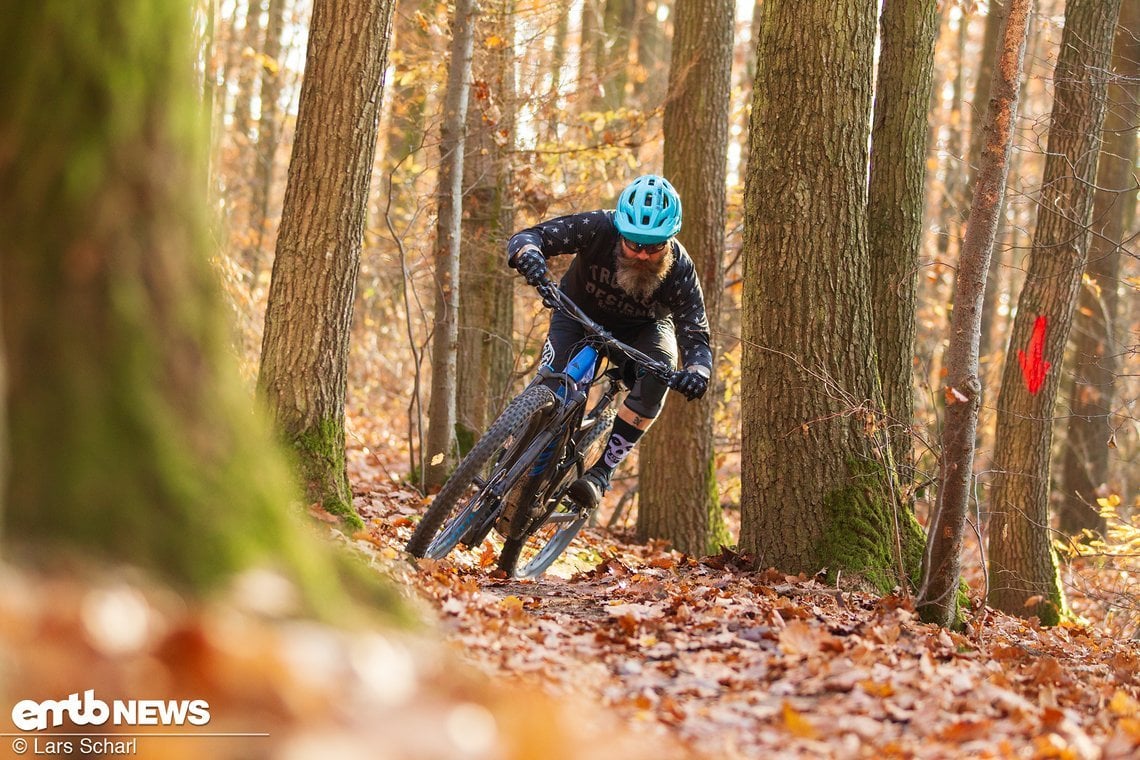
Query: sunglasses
{"points": [[650, 248]]}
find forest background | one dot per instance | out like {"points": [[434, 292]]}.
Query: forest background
{"points": [[566, 106], [563, 104]]}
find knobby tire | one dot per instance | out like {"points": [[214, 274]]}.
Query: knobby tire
{"points": [[456, 490]]}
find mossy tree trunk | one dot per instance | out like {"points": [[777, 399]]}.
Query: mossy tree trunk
{"points": [[133, 437], [441, 444], [486, 285], [1023, 567], [898, 167], [678, 495], [815, 492], [1085, 472], [304, 353], [938, 598]]}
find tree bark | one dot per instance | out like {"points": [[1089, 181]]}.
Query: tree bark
{"points": [[938, 597], [440, 442], [678, 497], [304, 352], [1084, 471], [908, 31], [815, 491], [995, 21], [1023, 567], [130, 430], [486, 285]]}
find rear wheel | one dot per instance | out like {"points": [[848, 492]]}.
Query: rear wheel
{"points": [[470, 492], [552, 531]]}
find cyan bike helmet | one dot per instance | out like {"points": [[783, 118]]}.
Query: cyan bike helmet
{"points": [[648, 210]]}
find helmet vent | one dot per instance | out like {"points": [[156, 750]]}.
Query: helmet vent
{"points": [[648, 211]]}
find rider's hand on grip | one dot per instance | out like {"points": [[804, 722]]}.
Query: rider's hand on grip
{"points": [[546, 289], [531, 264], [692, 385]]}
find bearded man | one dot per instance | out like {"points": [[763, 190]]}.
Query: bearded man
{"points": [[632, 276]]}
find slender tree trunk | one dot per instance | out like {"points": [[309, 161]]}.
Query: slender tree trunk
{"points": [[995, 20], [652, 53], [239, 190], [613, 62], [678, 495], [445, 335], [486, 286], [130, 430], [1023, 568], [558, 73], [247, 72], [748, 78], [908, 31], [268, 137], [956, 171], [589, 43], [304, 352], [1084, 471], [406, 106], [938, 600], [815, 494]]}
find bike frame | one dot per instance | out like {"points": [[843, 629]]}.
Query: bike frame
{"points": [[575, 382]]}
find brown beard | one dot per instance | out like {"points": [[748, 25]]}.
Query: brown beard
{"points": [[641, 278]]}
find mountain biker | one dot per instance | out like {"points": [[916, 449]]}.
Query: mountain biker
{"points": [[632, 276]]}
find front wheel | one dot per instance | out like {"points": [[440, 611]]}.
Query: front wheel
{"points": [[545, 540], [531, 555], [472, 488]]}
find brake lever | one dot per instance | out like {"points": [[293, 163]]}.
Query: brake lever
{"points": [[548, 290]]}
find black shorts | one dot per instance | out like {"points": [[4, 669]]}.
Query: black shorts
{"points": [[657, 339]]}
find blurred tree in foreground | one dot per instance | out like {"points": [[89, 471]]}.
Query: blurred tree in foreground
{"points": [[132, 435]]}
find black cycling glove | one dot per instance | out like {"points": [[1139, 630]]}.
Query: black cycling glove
{"points": [[531, 264], [690, 384]]}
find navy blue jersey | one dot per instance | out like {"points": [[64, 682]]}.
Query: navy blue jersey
{"points": [[592, 238]]}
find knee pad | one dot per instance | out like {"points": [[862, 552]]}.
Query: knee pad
{"points": [[647, 397]]}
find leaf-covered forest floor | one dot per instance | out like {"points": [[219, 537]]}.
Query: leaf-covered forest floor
{"points": [[628, 652], [726, 662]]}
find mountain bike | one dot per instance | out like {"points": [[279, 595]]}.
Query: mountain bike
{"points": [[514, 479]]}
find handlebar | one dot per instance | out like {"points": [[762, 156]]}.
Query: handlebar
{"points": [[554, 298]]}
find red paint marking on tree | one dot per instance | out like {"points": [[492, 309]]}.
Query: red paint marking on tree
{"points": [[1033, 364]]}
